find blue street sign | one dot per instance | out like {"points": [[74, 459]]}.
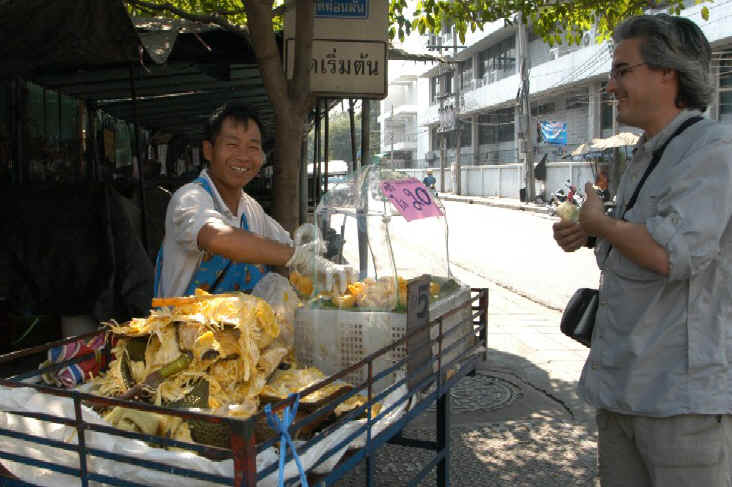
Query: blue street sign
{"points": [[350, 9]]}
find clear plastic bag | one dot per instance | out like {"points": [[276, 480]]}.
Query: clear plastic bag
{"points": [[281, 296]]}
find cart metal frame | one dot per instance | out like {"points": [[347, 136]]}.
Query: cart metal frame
{"points": [[429, 380]]}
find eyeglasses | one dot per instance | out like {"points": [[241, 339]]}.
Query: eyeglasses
{"points": [[619, 73]]}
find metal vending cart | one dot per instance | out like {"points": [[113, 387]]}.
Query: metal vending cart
{"points": [[404, 332]]}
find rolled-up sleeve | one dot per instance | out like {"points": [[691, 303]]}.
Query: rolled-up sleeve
{"points": [[190, 211], [695, 207], [276, 232]]}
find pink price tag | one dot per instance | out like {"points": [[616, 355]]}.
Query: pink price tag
{"points": [[411, 198]]}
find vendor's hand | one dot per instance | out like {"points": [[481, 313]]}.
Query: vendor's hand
{"points": [[592, 212], [305, 233], [569, 235], [330, 277], [305, 254], [333, 278]]}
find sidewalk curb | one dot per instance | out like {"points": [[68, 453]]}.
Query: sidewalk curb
{"points": [[508, 203]]}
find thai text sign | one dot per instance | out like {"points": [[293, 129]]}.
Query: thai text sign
{"points": [[344, 67], [411, 198], [350, 9]]}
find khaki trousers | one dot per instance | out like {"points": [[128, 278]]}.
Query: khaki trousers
{"points": [[679, 451]]}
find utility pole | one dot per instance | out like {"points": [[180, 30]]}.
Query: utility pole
{"points": [[356, 165], [458, 82], [365, 131], [443, 142], [391, 123], [525, 146]]}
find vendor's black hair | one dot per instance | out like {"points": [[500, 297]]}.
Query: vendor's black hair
{"points": [[237, 111]]}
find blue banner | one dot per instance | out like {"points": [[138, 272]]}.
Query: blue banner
{"points": [[553, 132], [350, 9]]}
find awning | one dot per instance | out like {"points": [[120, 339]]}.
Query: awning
{"points": [[618, 140], [90, 50], [182, 70]]}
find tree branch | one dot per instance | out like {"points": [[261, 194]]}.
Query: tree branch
{"points": [[217, 18]]}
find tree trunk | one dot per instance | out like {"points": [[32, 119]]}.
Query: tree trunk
{"points": [[286, 183], [291, 100]]}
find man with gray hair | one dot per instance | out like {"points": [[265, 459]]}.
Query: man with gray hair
{"points": [[658, 371]]}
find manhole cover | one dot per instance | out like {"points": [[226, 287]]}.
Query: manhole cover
{"points": [[482, 392]]}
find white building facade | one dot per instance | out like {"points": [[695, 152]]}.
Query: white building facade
{"points": [[566, 85]]}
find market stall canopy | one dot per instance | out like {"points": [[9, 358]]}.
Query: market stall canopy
{"points": [[94, 51], [618, 140], [581, 149]]}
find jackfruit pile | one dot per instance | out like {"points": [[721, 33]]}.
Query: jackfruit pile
{"points": [[368, 294], [218, 353]]}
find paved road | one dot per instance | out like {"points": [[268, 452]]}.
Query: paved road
{"points": [[514, 249]]}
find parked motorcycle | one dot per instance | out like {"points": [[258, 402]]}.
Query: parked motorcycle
{"points": [[568, 192]]}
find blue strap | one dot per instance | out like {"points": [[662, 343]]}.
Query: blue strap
{"points": [[217, 273], [158, 272], [282, 428], [203, 182]]}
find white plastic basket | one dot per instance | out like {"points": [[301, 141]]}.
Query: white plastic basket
{"points": [[332, 339]]}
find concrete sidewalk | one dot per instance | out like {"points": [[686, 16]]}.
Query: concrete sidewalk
{"points": [[519, 421]]}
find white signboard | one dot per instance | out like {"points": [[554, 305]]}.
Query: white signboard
{"points": [[338, 68]]}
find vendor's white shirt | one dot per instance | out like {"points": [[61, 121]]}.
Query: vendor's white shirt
{"points": [[192, 207]]}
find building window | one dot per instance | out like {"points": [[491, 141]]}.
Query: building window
{"points": [[577, 100], [434, 89], [496, 127], [538, 109], [505, 125], [434, 139], [466, 136], [450, 139], [498, 61], [446, 81], [606, 110], [466, 74], [725, 88], [487, 129]]}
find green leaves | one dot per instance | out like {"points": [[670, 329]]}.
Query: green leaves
{"points": [[554, 21]]}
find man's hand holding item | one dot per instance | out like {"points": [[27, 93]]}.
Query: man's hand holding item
{"points": [[569, 235], [592, 215], [307, 259]]}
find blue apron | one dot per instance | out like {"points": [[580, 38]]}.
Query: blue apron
{"points": [[216, 273]]}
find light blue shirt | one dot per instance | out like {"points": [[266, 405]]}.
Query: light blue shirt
{"points": [[662, 345]]}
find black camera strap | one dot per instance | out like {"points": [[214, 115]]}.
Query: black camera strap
{"points": [[657, 154]]}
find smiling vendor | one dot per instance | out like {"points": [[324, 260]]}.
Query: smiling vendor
{"points": [[217, 237]]}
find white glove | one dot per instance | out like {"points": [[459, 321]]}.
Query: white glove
{"points": [[305, 233], [304, 254], [331, 277]]}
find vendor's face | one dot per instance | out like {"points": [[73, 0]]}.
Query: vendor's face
{"points": [[236, 155]]}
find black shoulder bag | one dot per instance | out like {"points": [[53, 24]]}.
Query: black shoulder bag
{"points": [[578, 319]]}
